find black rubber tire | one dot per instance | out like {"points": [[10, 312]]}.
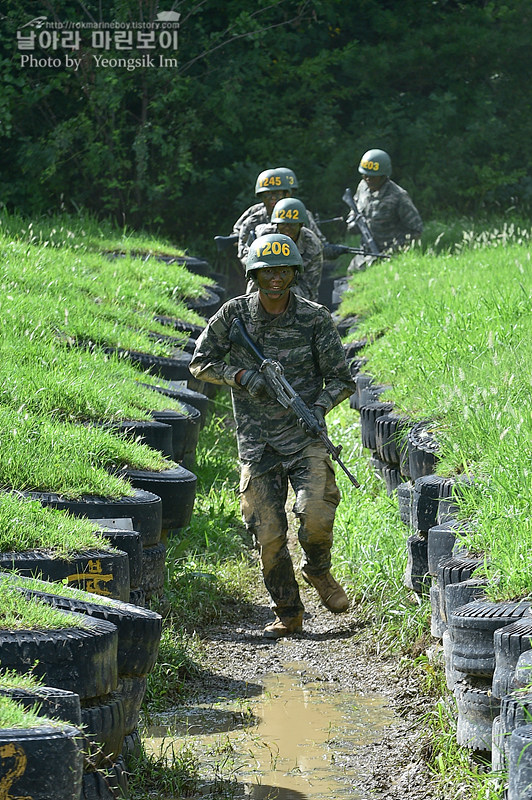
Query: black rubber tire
{"points": [[177, 490], [174, 368], [452, 676], [477, 708], [129, 542], [405, 494], [392, 478], [180, 325], [428, 490], [43, 763], [362, 380], [472, 628], [498, 760], [111, 783], [144, 510], [139, 629], [523, 671], [206, 305], [132, 748], [460, 594], [137, 597], [155, 434], [448, 511], [185, 430], [509, 644], [177, 341], [456, 569], [438, 626], [47, 701], [81, 660], [368, 415], [371, 394], [103, 722], [390, 437], [153, 570], [416, 575], [355, 365], [516, 710], [520, 763], [422, 450], [132, 691], [352, 349], [345, 324], [185, 395], [441, 540], [96, 571]]}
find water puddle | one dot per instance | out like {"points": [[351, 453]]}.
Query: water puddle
{"points": [[291, 743]]}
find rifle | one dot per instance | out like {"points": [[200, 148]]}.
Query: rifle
{"points": [[226, 242], [284, 394], [332, 251], [370, 245]]}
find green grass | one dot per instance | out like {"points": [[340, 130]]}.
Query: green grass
{"points": [[13, 715], [26, 525], [455, 343], [21, 614]]}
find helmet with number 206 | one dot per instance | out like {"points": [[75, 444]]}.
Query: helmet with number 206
{"points": [[273, 250]]}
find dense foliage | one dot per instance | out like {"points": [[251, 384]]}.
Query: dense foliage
{"points": [[308, 83]]}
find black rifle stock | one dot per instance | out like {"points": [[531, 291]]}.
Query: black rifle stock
{"points": [[284, 394], [226, 242], [370, 245]]}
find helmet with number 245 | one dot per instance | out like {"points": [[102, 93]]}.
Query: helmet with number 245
{"points": [[273, 250]]}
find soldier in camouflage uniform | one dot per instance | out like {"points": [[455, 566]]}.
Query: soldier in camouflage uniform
{"points": [[290, 217], [271, 185], [273, 448], [393, 219]]}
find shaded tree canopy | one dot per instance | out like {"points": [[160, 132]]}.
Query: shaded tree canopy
{"points": [[442, 85]]}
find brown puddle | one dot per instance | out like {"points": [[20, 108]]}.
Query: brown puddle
{"points": [[291, 743]]}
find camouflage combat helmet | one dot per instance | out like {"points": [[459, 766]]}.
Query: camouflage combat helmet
{"points": [[273, 179], [273, 250], [375, 162], [290, 174], [289, 209]]}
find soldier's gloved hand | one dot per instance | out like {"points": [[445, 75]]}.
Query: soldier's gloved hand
{"points": [[255, 383], [319, 413]]}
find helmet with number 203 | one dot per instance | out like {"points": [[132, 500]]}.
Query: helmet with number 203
{"points": [[375, 162], [289, 209], [273, 250], [272, 180]]}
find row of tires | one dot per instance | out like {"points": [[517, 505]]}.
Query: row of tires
{"points": [[486, 647], [95, 675]]}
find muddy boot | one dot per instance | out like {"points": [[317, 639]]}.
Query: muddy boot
{"points": [[283, 626], [332, 595]]}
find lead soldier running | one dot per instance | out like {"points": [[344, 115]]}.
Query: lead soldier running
{"points": [[274, 449]]}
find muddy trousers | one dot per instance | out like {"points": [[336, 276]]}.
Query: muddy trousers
{"points": [[263, 501]]}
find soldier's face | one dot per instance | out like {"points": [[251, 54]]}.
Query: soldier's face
{"points": [[374, 182], [290, 229], [270, 198], [275, 279]]}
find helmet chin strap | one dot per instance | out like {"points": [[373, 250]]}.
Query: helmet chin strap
{"points": [[280, 292]]}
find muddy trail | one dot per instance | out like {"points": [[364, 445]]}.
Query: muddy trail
{"points": [[321, 714]]}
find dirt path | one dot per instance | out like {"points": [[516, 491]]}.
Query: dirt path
{"points": [[341, 653]]}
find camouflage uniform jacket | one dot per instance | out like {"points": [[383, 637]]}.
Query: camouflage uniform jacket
{"points": [[304, 339], [311, 250], [257, 215], [391, 215]]}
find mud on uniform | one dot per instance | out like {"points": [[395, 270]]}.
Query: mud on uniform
{"points": [[391, 215], [273, 449], [257, 215], [311, 250]]}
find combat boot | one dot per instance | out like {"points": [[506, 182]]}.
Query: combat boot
{"points": [[283, 626], [331, 593]]}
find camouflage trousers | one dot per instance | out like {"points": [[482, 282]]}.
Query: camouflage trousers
{"points": [[263, 495]]}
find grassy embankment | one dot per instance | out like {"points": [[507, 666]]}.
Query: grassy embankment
{"points": [[58, 291], [454, 341]]}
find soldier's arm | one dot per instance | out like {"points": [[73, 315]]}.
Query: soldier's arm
{"points": [[209, 361], [337, 381], [311, 278], [410, 218]]}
